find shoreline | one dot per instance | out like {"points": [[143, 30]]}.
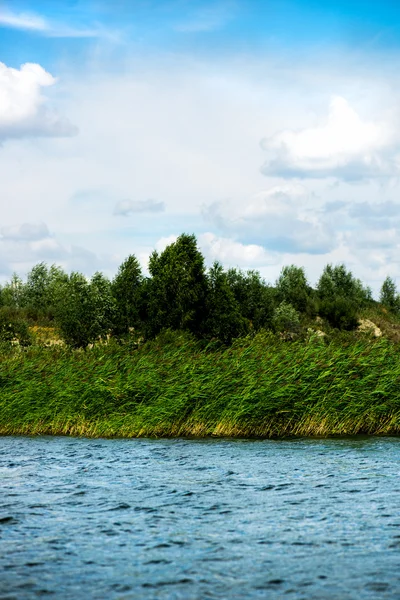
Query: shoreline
{"points": [[269, 431]]}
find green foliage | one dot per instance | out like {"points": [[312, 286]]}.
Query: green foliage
{"points": [[341, 297], [172, 386], [13, 328], [286, 318], [13, 292], [255, 298], [389, 296], [179, 294], [176, 294], [292, 287], [337, 281], [84, 310], [126, 289], [43, 287], [340, 312], [224, 319]]}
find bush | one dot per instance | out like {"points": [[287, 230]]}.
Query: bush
{"points": [[12, 327], [286, 318], [340, 312]]}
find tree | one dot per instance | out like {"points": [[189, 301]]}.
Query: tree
{"points": [[104, 301], [126, 289], [224, 319], [292, 288], [337, 281], [389, 296], [255, 298], [42, 288], [341, 296], [176, 293], [84, 309], [13, 293]]}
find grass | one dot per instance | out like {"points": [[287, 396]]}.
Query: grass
{"points": [[261, 386]]}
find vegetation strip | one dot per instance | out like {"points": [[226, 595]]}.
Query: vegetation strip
{"points": [[174, 386], [190, 351]]}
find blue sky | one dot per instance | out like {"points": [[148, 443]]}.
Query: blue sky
{"points": [[271, 129]]}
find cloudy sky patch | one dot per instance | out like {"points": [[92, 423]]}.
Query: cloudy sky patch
{"points": [[270, 130], [128, 207]]}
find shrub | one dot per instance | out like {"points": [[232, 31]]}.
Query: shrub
{"points": [[12, 327], [341, 313], [286, 318]]}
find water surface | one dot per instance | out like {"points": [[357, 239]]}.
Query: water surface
{"points": [[181, 519]]}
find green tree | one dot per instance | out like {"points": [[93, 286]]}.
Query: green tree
{"points": [[126, 289], [224, 319], [255, 298], [104, 301], [42, 288], [341, 297], [175, 295], [293, 288], [84, 309], [13, 292], [337, 281], [389, 296]]}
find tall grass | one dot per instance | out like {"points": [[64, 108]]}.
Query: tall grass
{"points": [[173, 386]]}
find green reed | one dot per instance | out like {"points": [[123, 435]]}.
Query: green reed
{"points": [[260, 386]]}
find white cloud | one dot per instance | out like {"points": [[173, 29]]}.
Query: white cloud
{"points": [[232, 253], [27, 21], [23, 109], [188, 133], [38, 24], [127, 207], [344, 146], [163, 242], [281, 218]]}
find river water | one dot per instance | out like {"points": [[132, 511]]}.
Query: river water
{"points": [[183, 519]]}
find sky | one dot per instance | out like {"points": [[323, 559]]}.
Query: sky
{"points": [[270, 129]]}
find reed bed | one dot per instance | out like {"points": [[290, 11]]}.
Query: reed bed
{"points": [[174, 386]]}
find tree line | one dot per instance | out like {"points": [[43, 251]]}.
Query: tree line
{"points": [[180, 293]]}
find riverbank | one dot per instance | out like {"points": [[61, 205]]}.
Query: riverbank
{"points": [[174, 386]]}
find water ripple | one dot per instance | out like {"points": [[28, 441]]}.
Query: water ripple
{"points": [[199, 519]]}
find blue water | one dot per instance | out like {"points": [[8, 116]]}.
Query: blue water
{"points": [[186, 519]]}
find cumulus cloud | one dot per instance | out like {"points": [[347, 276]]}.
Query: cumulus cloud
{"points": [[127, 207], [231, 253], [279, 219], [25, 232], [163, 242], [24, 111], [344, 146]]}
